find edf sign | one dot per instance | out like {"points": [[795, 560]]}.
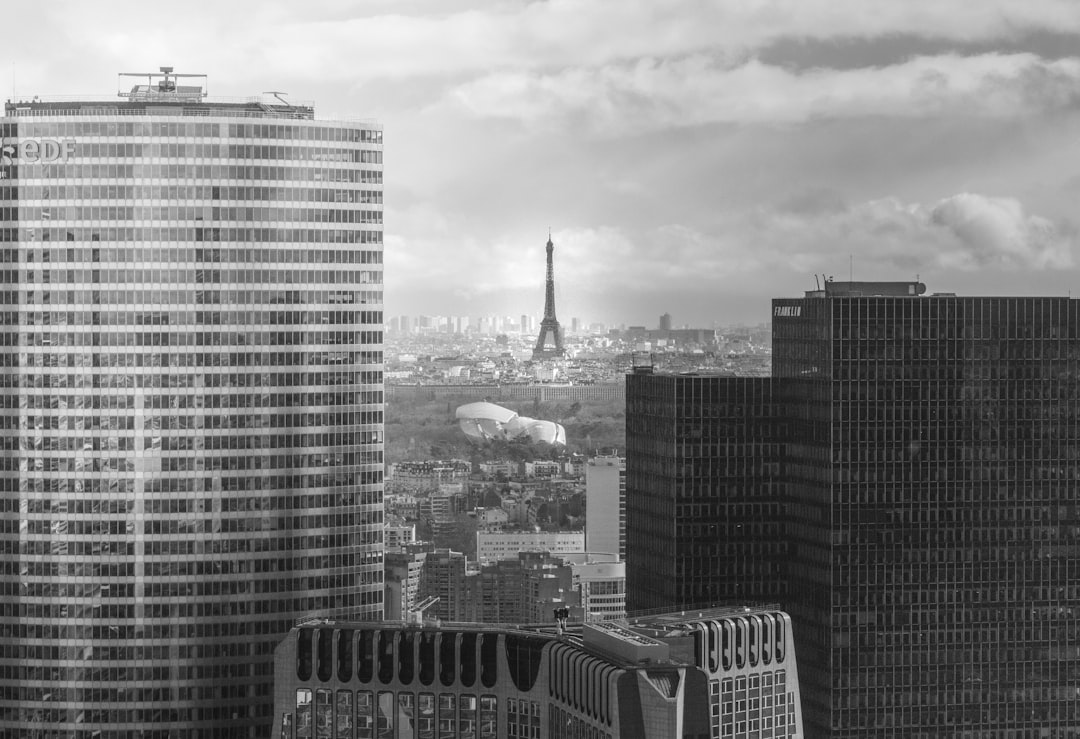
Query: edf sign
{"points": [[30, 151]]}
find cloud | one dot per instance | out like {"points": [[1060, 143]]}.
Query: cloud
{"points": [[356, 43], [885, 238], [998, 231], [655, 94]]}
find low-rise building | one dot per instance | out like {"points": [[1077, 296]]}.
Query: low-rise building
{"points": [[543, 468], [397, 533], [726, 673], [489, 519], [491, 546]]}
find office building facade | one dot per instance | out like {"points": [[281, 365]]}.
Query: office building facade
{"points": [[605, 501], [192, 393], [935, 547], [926, 463], [443, 576], [704, 511], [729, 674]]}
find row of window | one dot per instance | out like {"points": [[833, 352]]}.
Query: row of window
{"points": [[310, 381], [154, 150], [146, 126], [174, 234], [177, 193], [206, 172], [364, 714], [156, 213]]}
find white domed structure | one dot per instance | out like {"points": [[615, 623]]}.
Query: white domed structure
{"points": [[486, 421]]}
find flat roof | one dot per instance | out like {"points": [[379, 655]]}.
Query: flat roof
{"points": [[159, 104]]}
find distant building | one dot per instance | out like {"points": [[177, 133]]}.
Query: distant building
{"points": [[715, 674], [429, 473], [402, 504], [665, 322], [401, 581], [443, 576], [524, 588], [605, 505], [705, 337], [483, 421], [502, 467], [547, 583], [492, 546], [491, 518], [543, 468], [397, 534], [575, 465], [600, 582]]}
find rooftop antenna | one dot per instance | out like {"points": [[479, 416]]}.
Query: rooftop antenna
{"points": [[278, 94], [817, 282], [851, 267]]}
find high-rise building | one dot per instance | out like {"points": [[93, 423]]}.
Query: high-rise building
{"points": [[718, 674], [605, 505], [923, 463], [704, 520], [192, 353]]}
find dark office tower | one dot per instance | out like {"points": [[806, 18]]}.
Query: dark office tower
{"points": [[549, 343], [191, 374], [703, 516], [936, 531], [927, 462]]}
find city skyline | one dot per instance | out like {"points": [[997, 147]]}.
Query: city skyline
{"points": [[688, 157]]}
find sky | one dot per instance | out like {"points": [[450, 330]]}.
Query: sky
{"points": [[692, 157]]}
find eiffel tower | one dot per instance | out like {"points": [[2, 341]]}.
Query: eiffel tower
{"points": [[550, 330]]}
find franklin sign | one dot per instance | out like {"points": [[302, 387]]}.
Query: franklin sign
{"points": [[787, 311], [30, 151]]}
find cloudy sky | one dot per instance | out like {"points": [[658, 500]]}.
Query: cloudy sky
{"points": [[690, 156]]}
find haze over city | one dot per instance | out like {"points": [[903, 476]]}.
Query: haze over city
{"points": [[690, 157]]}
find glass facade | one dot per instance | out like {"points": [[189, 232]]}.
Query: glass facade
{"points": [[935, 576], [191, 364], [703, 512]]}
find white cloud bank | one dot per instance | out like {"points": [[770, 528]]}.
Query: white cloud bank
{"points": [[658, 94], [379, 40]]}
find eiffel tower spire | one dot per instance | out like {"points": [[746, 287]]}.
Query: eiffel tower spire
{"points": [[549, 343]]}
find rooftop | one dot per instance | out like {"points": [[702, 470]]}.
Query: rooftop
{"points": [[162, 93], [836, 289], [643, 638]]}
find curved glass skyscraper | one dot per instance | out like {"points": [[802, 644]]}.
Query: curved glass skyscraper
{"points": [[191, 413]]}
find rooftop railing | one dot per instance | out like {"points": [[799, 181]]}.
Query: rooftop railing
{"points": [[52, 107]]}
